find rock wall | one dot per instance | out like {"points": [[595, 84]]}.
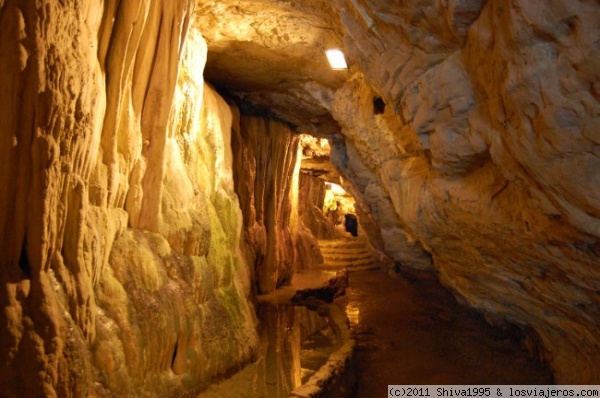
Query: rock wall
{"points": [[312, 196], [312, 224], [486, 155], [122, 272], [384, 228], [266, 174]]}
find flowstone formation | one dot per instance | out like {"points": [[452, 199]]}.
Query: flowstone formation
{"points": [[122, 269], [266, 175]]}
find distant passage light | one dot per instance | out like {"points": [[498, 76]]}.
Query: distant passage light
{"points": [[335, 188], [336, 59]]}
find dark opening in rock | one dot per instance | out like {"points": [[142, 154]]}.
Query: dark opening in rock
{"points": [[24, 261], [351, 224], [378, 106], [174, 358]]}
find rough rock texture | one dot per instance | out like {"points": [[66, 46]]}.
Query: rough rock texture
{"points": [[282, 43], [266, 161], [487, 153], [312, 196], [380, 222], [316, 170], [120, 230], [470, 138], [308, 253], [316, 159]]}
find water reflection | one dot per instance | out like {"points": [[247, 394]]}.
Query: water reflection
{"points": [[280, 348], [294, 343]]}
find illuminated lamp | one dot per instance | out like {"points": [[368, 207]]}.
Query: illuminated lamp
{"points": [[336, 59]]}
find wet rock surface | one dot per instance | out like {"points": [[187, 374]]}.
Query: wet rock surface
{"points": [[305, 345], [428, 338], [334, 287]]}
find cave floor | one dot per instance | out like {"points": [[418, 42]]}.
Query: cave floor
{"points": [[414, 332]]}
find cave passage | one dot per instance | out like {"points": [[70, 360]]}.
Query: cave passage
{"points": [[406, 328], [194, 202]]}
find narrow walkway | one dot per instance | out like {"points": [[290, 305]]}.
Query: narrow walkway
{"points": [[415, 333]]}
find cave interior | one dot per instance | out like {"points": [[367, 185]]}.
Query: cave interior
{"points": [[192, 196]]}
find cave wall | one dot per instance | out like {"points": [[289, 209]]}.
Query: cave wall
{"points": [[312, 223], [120, 231], [311, 199], [398, 242], [486, 156], [266, 180]]}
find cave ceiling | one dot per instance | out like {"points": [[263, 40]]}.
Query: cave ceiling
{"points": [[270, 55]]}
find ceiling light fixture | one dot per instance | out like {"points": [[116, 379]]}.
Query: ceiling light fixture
{"points": [[336, 59]]}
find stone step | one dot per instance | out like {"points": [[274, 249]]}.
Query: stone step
{"points": [[345, 249], [350, 266], [364, 249], [345, 243], [352, 254], [345, 262], [349, 257], [346, 256], [345, 252]]}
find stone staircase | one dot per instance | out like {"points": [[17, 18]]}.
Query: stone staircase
{"points": [[353, 254]]}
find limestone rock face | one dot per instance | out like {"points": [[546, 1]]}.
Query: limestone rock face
{"points": [[392, 234], [281, 45], [122, 272], [485, 155], [312, 196], [266, 159]]}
